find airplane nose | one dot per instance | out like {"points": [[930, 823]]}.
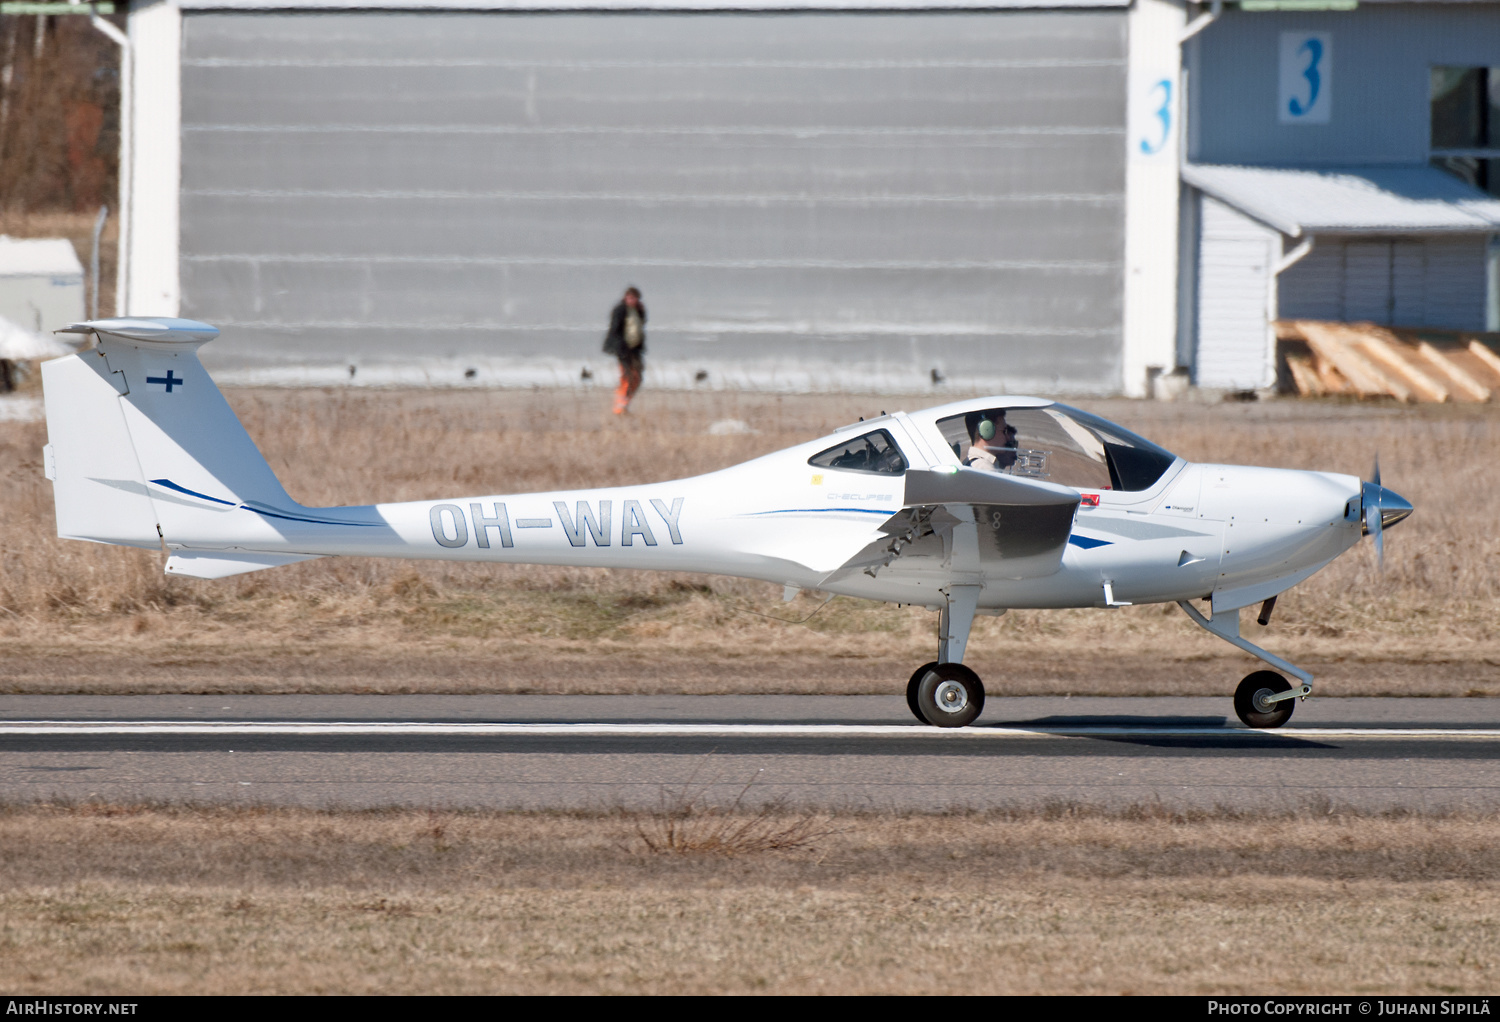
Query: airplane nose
{"points": [[1393, 507]]}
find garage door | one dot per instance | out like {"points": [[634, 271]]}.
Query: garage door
{"points": [[902, 191]]}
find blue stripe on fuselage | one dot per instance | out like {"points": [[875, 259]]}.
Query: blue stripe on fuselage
{"points": [[263, 511]]}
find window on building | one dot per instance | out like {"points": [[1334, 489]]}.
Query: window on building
{"points": [[1466, 124]]}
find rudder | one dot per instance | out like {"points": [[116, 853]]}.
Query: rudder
{"points": [[98, 488]]}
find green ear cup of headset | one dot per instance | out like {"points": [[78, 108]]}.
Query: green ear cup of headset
{"points": [[986, 429]]}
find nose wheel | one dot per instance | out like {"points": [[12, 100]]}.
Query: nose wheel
{"points": [[945, 695], [1265, 698], [1253, 702]]}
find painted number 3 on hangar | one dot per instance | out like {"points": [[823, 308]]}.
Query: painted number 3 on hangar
{"points": [[1306, 78]]}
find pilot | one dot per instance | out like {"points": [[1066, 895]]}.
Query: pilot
{"points": [[992, 441]]}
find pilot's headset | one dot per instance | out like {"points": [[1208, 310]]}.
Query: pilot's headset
{"points": [[986, 429]]}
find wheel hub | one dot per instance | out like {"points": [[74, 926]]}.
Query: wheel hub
{"points": [[1263, 702], [951, 697]]}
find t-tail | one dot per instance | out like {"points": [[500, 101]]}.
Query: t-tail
{"points": [[144, 451]]}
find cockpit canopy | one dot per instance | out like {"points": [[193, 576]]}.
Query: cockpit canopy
{"points": [[873, 452], [1056, 443]]}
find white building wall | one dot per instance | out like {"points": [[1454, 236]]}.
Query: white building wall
{"points": [[1236, 345], [1153, 136], [149, 282]]}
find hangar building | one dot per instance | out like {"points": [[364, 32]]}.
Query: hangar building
{"points": [[1067, 196]]}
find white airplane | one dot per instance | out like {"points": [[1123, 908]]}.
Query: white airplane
{"points": [[974, 507]]}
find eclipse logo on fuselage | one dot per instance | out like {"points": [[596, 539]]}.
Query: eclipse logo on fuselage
{"points": [[856, 497]]}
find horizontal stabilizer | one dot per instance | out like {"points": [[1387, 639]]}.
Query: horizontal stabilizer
{"points": [[156, 330], [222, 564]]}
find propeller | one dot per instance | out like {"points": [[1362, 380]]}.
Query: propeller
{"points": [[1381, 508]]}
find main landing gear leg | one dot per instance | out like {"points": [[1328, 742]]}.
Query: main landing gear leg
{"points": [[945, 692], [1264, 699]]}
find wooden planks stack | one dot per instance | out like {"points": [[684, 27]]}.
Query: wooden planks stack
{"points": [[1366, 360]]}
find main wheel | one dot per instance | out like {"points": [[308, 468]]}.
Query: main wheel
{"points": [[950, 695], [911, 689], [1250, 700]]}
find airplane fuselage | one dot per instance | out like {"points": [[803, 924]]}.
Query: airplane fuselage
{"points": [[1238, 534]]}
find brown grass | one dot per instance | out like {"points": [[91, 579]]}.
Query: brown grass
{"points": [[688, 821], [80, 617], [100, 899]]}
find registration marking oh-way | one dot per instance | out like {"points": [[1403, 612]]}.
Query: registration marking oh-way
{"points": [[706, 730]]}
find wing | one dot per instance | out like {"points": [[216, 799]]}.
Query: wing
{"points": [[988, 524]]}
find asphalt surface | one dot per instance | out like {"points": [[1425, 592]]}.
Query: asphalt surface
{"points": [[862, 752]]}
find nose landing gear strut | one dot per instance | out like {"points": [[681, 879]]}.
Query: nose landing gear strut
{"points": [[1264, 699]]}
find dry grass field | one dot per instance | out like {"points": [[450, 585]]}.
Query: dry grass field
{"points": [[101, 900], [76, 617]]}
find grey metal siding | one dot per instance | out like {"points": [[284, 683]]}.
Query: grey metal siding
{"points": [[1382, 54], [1455, 282], [906, 189], [1429, 281], [1367, 281], [1235, 255], [1313, 287]]}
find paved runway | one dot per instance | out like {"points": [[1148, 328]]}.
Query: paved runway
{"points": [[833, 751]]}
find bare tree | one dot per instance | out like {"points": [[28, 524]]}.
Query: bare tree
{"points": [[59, 115]]}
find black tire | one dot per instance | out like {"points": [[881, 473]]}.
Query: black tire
{"points": [[950, 695], [911, 689], [1260, 684]]}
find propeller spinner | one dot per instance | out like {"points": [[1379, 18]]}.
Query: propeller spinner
{"points": [[1381, 508]]}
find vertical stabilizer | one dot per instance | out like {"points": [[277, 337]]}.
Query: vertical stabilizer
{"points": [[141, 400], [97, 484]]}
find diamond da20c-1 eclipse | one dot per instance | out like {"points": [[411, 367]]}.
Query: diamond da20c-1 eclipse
{"points": [[974, 507]]}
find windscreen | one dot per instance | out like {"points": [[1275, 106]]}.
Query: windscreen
{"points": [[1056, 443]]}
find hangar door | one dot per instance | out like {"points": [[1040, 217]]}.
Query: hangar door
{"points": [[904, 190]]}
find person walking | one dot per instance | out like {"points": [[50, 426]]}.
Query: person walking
{"points": [[626, 341]]}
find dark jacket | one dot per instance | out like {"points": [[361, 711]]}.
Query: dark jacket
{"points": [[614, 341]]}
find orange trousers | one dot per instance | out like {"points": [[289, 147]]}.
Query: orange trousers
{"points": [[630, 382]]}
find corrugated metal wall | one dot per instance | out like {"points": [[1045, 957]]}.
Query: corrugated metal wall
{"points": [[909, 189], [1429, 281], [1235, 256]]}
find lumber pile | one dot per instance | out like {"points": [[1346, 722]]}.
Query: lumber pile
{"points": [[1365, 360]]}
